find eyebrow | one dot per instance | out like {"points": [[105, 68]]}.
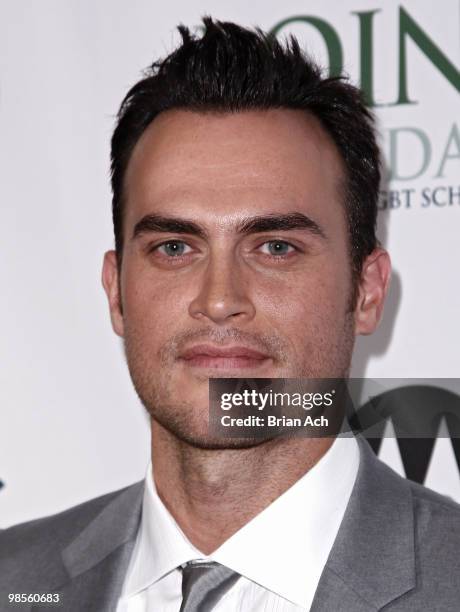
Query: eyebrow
{"points": [[276, 222], [174, 225], [252, 225]]}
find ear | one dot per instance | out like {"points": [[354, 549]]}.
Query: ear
{"points": [[373, 287], [111, 285]]}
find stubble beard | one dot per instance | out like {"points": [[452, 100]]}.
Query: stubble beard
{"points": [[324, 358]]}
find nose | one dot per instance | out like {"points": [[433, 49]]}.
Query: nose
{"points": [[222, 294]]}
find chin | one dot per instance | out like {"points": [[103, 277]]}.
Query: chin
{"points": [[212, 442], [187, 427]]}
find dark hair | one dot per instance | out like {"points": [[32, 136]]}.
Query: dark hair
{"points": [[229, 69]]}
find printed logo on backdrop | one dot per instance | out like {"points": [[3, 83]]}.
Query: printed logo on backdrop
{"points": [[420, 414], [426, 184]]}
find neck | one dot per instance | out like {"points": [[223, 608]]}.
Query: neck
{"points": [[213, 493]]}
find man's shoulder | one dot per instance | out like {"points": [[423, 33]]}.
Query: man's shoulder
{"points": [[435, 535], [38, 537], [397, 547], [425, 497], [428, 505], [436, 516]]}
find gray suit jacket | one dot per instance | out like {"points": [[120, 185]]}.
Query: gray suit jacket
{"points": [[398, 550]]}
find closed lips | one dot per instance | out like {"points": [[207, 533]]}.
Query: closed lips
{"points": [[234, 352]]}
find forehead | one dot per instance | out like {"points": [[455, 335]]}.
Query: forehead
{"points": [[220, 165]]}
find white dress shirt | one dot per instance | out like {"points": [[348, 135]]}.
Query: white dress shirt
{"points": [[280, 553]]}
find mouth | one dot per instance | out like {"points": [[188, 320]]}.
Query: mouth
{"points": [[224, 358]]}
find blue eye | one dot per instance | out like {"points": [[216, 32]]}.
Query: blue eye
{"points": [[174, 248], [277, 248]]}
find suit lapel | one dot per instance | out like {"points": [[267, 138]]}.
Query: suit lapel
{"points": [[93, 566], [335, 594], [372, 561], [98, 588]]}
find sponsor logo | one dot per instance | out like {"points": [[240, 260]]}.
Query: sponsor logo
{"points": [[411, 151], [408, 29], [417, 413]]}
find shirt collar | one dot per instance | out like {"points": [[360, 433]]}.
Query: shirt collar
{"points": [[161, 546], [284, 548]]}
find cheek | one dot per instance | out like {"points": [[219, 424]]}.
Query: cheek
{"points": [[308, 310], [153, 305], [296, 298]]}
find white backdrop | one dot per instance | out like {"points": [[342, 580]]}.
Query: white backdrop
{"points": [[71, 426]]}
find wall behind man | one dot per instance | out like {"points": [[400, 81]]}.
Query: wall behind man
{"points": [[71, 426]]}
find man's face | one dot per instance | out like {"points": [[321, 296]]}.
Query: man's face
{"points": [[235, 259]]}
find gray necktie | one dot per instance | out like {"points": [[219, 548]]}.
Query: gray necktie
{"points": [[203, 584]]}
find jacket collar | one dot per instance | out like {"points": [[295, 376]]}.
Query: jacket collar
{"points": [[372, 561], [115, 525], [90, 571]]}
